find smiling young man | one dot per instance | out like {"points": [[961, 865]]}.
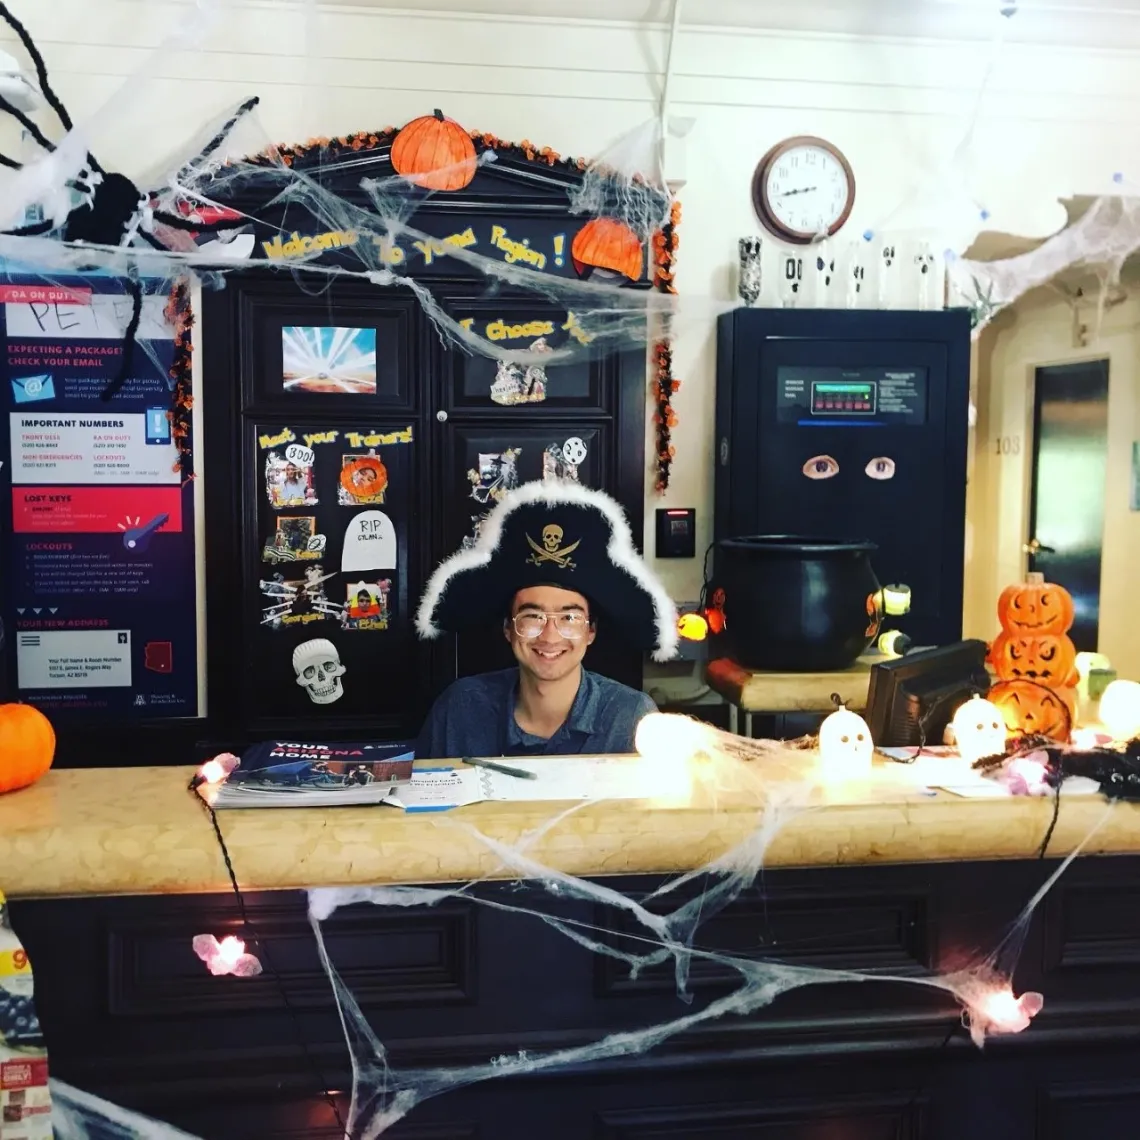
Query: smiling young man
{"points": [[554, 559]]}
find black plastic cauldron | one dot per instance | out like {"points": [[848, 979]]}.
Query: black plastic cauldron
{"points": [[795, 603]]}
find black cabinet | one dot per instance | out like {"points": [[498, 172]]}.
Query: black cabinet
{"points": [[426, 426], [853, 425]]}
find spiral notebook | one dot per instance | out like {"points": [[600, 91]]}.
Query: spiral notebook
{"points": [[558, 778]]}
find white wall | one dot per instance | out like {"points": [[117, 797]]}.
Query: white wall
{"points": [[1055, 120], [1041, 330]]}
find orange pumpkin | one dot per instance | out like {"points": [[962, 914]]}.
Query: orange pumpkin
{"points": [[27, 746], [1035, 607], [1030, 709], [1050, 659], [606, 243], [364, 477], [435, 153]]}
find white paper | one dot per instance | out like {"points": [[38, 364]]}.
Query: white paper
{"points": [[437, 789], [559, 778]]}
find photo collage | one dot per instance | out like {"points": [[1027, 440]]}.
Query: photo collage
{"points": [[327, 542]]}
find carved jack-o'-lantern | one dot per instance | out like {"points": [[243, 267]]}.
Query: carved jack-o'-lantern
{"points": [[1049, 659], [1030, 709], [434, 152], [606, 243], [1035, 607]]}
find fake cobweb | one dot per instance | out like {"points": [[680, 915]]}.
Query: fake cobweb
{"points": [[234, 177], [233, 172], [690, 765]]}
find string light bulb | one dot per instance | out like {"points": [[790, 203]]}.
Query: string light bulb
{"points": [[692, 627], [845, 747], [894, 643], [1120, 710], [227, 956], [896, 600]]}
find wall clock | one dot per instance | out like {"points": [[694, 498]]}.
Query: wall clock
{"points": [[803, 188]]}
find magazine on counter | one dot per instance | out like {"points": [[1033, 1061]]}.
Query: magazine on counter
{"points": [[312, 774]]}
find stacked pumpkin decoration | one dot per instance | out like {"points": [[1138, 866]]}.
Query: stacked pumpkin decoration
{"points": [[1035, 660], [27, 746], [434, 152]]}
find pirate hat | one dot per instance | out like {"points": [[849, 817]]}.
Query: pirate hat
{"points": [[552, 534]]}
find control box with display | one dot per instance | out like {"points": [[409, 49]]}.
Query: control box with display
{"points": [[851, 424]]}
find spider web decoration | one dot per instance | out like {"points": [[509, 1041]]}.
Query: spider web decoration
{"points": [[657, 930]]}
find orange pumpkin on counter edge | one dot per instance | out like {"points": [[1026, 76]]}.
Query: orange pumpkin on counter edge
{"points": [[27, 746]]}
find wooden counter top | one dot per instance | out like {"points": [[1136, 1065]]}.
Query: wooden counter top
{"points": [[139, 831], [790, 692]]}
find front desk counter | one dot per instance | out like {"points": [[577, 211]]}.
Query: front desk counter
{"points": [[111, 873]]}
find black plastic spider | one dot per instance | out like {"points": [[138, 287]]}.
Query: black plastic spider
{"points": [[112, 211]]}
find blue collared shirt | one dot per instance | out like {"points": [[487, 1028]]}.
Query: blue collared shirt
{"points": [[475, 716]]}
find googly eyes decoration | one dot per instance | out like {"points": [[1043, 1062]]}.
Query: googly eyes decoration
{"points": [[881, 467], [821, 467]]}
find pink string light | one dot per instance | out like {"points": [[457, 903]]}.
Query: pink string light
{"points": [[227, 956]]}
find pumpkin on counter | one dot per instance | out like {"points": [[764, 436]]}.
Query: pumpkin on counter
{"points": [[1030, 709], [1049, 659], [606, 243], [434, 152], [1035, 607], [27, 746]]}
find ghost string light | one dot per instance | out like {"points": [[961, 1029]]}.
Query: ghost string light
{"points": [[845, 747], [86, 205]]}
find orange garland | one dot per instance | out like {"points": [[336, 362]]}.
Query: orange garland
{"points": [[665, 384], [665, 241], [179, 314]]}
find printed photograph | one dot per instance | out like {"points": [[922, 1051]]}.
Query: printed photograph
{"points": [[363, 479], [288, 483], [366, 605], [328, 360], [295, 539]]}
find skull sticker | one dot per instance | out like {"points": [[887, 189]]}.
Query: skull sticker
{"points": [[552, 538], [319, 670]]}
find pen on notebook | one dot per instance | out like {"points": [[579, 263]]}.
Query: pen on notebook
{"points": [[522, 773]]}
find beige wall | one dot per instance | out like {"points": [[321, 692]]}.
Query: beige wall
{"points": [[1043, 329], [1056, 119]]}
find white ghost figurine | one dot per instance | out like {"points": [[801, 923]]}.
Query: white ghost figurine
{"points": [[979, 730], [845, 746]]}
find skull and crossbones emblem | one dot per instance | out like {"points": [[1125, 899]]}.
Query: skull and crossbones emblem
{"points": [[551, 549]]}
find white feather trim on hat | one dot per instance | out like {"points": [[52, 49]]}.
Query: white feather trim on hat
{"points": [[621, 550]]}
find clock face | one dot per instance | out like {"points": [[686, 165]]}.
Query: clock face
{"points": [[804, 189]]}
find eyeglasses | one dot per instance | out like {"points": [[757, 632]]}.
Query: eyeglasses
{"points": [[570, 624]]}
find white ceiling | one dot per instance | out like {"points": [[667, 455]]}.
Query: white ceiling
{"points": [[1086, 23]]}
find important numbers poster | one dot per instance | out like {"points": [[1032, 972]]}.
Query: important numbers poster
{"points": [[97, 518]]}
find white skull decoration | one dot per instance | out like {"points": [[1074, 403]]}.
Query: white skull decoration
{"points": [[845, 747], [574, 451], [979, 730], [318, 668]]}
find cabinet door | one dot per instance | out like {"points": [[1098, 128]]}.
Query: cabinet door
{"points": [[478, 384], [330, 578]]}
